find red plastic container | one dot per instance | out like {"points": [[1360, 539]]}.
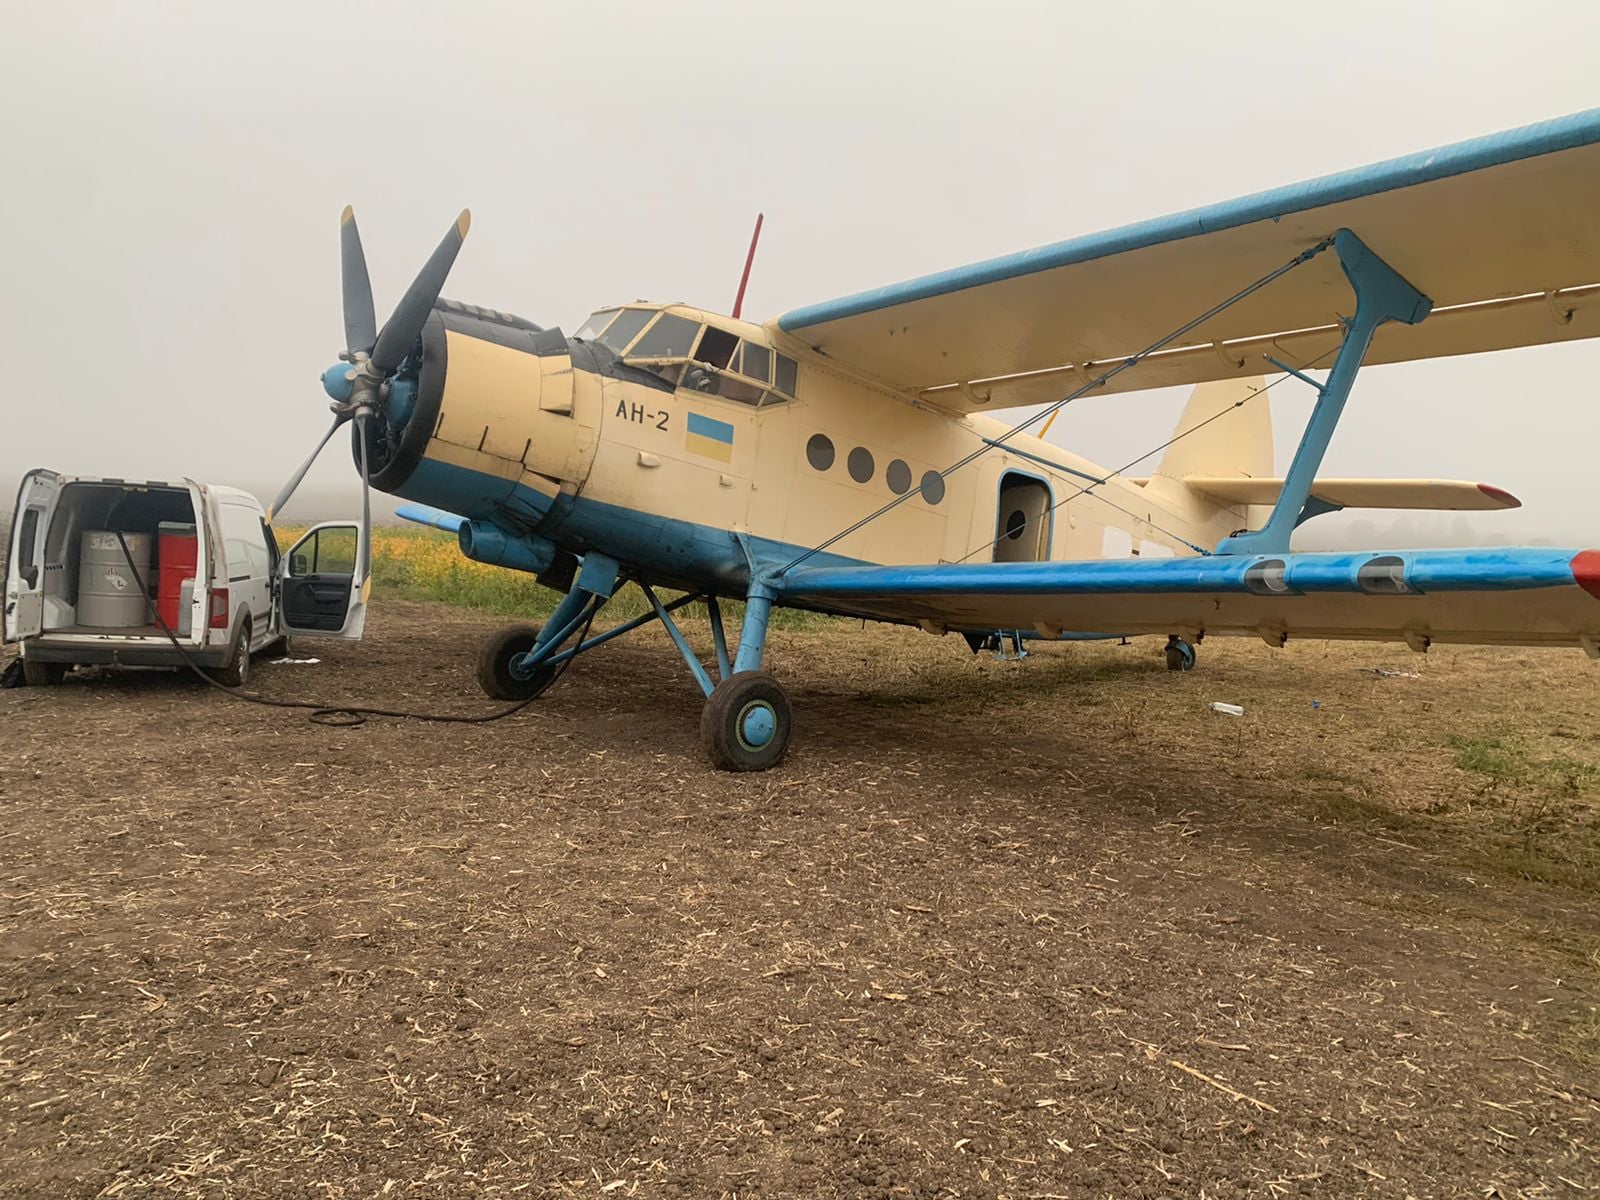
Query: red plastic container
{"points": [[177, 550]]}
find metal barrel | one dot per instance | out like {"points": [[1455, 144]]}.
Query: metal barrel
{"points": [[109, 595]]}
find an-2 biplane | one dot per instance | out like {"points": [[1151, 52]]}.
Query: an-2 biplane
{"points": [[840, 457]]}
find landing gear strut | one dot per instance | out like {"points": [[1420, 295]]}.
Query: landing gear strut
{"points": [[1180, 654], [746, 720]]}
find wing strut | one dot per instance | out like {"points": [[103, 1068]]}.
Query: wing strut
{"points": [[1381, 296]]}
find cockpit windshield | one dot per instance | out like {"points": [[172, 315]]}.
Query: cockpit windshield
{"points": [[695, 356]]}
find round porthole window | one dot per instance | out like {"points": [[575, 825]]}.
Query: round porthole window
{"points": [[861, 464], [932, 487], [1015, 524], [898, 476], [819, 451]]}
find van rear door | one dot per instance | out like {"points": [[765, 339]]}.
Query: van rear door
{"points": [[36, 501], [317, 592]]}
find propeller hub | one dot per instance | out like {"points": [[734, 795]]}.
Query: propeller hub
{"points": [[339, 381]]}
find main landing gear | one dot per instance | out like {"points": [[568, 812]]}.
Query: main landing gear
{"points": [[746, 720]]}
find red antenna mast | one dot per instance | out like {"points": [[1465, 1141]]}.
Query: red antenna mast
{"points": [[749, 261]]}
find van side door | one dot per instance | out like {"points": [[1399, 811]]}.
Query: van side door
{"points": [[36, 501], [317, 592]]}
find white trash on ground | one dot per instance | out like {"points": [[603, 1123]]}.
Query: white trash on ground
{"points": [[1227, 710]]}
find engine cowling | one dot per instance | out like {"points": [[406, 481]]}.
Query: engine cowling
{"points": [[485, 390]]}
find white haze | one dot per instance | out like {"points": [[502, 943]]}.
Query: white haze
{"points": [[173, 176]]}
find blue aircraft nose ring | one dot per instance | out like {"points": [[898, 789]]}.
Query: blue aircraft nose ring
{"points": [[756, 724]]}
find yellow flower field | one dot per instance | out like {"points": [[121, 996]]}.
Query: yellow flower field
{"points": [[426, 564]]}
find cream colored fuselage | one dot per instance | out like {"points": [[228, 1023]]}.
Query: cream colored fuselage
{"points": [[619, 453]]}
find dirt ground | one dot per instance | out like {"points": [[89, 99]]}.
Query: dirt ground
{"points": [[994, 929]]}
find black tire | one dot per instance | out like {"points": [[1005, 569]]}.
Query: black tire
{"points": [[726, 722], [42, 674], [494, 664], [1180, 656], [236, 672]]}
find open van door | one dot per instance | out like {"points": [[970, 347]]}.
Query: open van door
{"points": [[36, 500], [318, 595]]}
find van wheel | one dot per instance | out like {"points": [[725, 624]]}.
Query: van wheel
{"points": [[42, 674], [237, 671]]}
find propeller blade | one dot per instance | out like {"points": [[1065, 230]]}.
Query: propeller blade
{"points": [[360, 321], [364, 563], [294, 481], [404, 326]]}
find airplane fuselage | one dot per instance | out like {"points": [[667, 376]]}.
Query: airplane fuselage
{"points": [[688, 478]]}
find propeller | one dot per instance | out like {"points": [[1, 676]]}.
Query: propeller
{"points": [[360, 323], [372, 355], [404, 325]]}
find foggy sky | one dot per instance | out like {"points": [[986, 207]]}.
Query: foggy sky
{"points": [[174, 173]]}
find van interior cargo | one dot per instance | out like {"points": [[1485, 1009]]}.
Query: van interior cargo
{"points": [[88, 586]]}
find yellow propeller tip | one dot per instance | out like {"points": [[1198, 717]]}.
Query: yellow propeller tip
{"points": [[348, 215], [464, 222]]}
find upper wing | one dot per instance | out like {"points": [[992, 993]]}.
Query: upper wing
{"points": [[1487, 229], [1505, 596]]}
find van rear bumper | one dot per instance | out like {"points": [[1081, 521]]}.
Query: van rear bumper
{"points": [[131, 654]]}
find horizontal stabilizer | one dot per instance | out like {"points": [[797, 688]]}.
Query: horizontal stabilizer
{"points": [[1447, 494]]}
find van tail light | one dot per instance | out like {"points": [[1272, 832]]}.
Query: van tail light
{"points": [[219, 608]]}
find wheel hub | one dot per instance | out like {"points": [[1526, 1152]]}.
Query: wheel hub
{"points": [[756, 724]]}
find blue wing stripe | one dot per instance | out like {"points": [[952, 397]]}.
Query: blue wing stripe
{"points": [[1496, 149], [1498, 569]]}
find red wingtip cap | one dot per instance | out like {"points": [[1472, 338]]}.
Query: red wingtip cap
{"points": [[1586, 571], [1505, 498]]}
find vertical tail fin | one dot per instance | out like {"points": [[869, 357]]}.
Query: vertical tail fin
{"points": [[1225, 429]]}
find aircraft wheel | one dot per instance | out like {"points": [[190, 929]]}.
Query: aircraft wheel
{"points": [[746, 722], [1180, 655], [495, 675], [42, 674]]}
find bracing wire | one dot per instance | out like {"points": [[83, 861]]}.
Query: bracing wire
{"points": [[1132, 360], [1085, 489]]}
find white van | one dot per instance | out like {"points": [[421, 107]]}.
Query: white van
{"points": [[85, 581]]}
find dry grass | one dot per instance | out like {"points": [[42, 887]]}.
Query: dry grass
{"points": [[994, 929]]}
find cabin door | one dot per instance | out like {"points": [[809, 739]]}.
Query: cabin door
{"points": [[1022, 524]]}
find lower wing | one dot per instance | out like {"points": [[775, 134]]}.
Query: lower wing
{"points": [[1510, 596]]}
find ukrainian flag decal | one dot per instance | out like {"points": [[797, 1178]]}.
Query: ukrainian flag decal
{"points": [[713, 439]]}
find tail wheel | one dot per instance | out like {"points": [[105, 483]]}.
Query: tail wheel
{"points": [[1180, 655], [236, 673], [746, 722], [42, 674], [496, 674]]}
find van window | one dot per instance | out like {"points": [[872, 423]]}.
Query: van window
{"points": [[330, 551], [242, 544], [28, 564]]}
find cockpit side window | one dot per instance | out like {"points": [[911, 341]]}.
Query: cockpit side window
{"points": [[671, 336], [755, 362], [788, 369], [592, 327], [625, 328], [717, 347]]}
